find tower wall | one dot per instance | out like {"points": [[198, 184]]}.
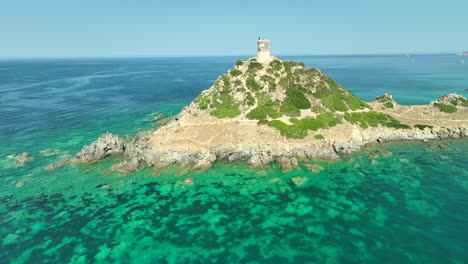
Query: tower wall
{"points": [[263, 50]]}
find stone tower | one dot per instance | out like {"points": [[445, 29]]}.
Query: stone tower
{"points": [[263, 52]]}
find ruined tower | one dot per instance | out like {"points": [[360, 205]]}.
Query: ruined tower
{"points": [[263, 51]]}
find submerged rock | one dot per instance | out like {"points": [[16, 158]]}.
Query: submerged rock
{"points": [[159, 116], [315, 168], [299, 181], [20, 159], [20, 184], [189, 181], [274, 180], [49, 152], [384, 152], [56, 165], [105, 145]]}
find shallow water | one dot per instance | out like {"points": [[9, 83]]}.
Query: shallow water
{"points": [[409, 207]]}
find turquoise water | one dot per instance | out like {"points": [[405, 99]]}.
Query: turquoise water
{"points": [[409, 207]]}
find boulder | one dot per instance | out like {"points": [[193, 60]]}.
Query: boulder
{"points": [[287, 163], [260, 160], [105, 145]]}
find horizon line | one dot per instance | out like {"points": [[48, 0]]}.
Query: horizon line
{"points": [[208, 56]]}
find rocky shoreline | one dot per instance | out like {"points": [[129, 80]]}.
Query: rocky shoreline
{"points": [[138, 152]]}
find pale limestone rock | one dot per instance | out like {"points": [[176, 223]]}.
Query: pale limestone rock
{"points": [[105, 145]]}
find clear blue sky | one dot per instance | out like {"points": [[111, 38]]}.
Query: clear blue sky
{"points": [[103, 28]]}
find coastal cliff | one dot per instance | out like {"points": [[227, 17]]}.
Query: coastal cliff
{"points": [[278, 111]]}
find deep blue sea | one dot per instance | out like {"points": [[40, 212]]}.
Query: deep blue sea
{"points": [[410, 207]]}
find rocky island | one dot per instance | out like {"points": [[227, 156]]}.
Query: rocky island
{"points": [[267, 110]]}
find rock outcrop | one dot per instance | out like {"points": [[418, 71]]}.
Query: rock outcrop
{"points": [[105, 145]]}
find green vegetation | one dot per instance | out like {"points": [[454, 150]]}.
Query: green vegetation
{"points": [[299, 127], [284, 82], [324, 120], [422, 127], [289, 64], [225, 80], [239, 63], [252, 84], [249, 99], [262, 112], [235, 72], [337, 98], [237, 82], [373, 119], [290, 110], [203, 101], [276, 65], [460, 101], [319, 136], [289, 131], [446, 108], [225, 111], [255, 66], [386, 100], [266, 108], [297, 98], [270, 80], [225, 108], [388, 105], [294, 101], [317, 109], [222, 102]]}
